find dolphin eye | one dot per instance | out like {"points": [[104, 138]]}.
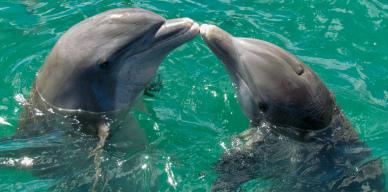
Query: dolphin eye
{"points": [[300, 70], [104, 65]]}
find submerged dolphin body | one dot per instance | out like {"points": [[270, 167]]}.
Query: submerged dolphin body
{"points": [[83, 92], [298, 135]]}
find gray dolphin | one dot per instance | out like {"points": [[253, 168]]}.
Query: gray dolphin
{"points": [[100, 66], [298, 135], [83, 92]]}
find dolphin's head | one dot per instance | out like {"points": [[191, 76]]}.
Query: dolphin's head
{"points": [[104, 62], [272, 84]]}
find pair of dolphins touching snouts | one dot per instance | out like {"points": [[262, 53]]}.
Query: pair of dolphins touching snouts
{"points": [[100, 67]]}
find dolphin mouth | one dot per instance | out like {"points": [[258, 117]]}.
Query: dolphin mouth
{"points": [[170, 33], [175, 29]]}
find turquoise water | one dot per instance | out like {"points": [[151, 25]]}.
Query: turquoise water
{"points": [[196, 112]]}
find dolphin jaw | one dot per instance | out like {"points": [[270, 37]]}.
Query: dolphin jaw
{"points": [[174, 28]]}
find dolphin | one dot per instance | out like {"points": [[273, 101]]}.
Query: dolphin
{"points": [[298, 137], [83, 93], [100, 66]]}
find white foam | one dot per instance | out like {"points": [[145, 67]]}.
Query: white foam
{"points": [[4, 122]]}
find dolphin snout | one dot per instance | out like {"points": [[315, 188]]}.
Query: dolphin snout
{"points": [[218, 40], [176, 27], [213, 33], [180, 22], [205, 28]]}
